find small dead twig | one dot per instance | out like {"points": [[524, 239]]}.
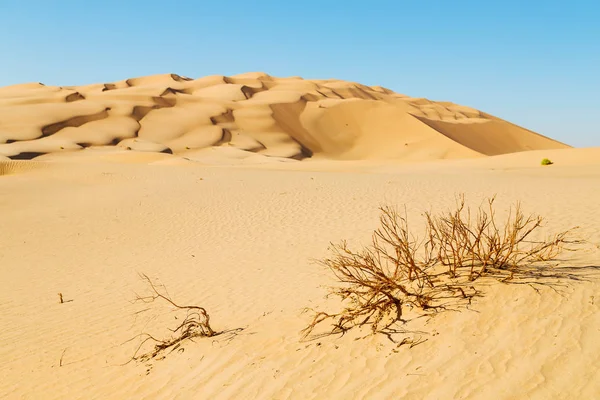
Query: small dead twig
{"points": [[534, 288], [61, 299], [60, 362]]}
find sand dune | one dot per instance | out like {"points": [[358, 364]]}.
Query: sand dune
{"points": [[253, 112], [491, 136]]}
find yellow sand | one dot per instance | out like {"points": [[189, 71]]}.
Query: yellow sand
{"points": [[256, 113], [239, 241], [235, 228]]}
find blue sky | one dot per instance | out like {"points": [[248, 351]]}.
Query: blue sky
{"points": [[534, 63]]}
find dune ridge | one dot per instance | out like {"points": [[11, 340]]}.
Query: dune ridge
{"points": [[255, 114]]}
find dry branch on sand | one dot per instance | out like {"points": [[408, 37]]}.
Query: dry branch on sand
{"points": [[435, 273], [196, 323], [480, 244]]}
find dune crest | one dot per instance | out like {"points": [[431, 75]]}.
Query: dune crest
{"points": [[255, 113]]}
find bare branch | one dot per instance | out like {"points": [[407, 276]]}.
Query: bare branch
{"points": [[195, 324], [432, 274]]}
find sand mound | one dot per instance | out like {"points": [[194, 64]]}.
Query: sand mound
{"points": [[10, 167], [254, 113]]}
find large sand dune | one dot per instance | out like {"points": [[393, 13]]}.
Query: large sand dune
{"points": [[254, 113]]}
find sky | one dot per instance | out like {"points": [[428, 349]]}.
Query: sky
{"points": [[533, 63]]}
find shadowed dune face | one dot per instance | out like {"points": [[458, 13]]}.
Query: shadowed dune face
{"points": [[492, 137], [254, 113]]}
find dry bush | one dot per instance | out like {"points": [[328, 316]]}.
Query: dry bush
{"points": [[476, 242], [378, 281], [196, 323], [435, 273]]}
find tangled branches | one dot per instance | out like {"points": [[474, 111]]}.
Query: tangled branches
{"points": [[196, 323], [479, 244], [398, 270]]}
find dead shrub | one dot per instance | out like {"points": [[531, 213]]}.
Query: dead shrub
{"points": [[196, 323], [395, 271], [462, 239], [434, 273]]}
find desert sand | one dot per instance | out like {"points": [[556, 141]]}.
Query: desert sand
{"points": [[226, 189], [248, 115]]}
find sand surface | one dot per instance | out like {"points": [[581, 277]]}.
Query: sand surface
{"points": [[239, 241], [254, 114], [226, 189]]}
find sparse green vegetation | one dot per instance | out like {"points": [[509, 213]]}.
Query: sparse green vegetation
{"points": [[546, 161]]}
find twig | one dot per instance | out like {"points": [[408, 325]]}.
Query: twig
{"points": [[60, 363]]}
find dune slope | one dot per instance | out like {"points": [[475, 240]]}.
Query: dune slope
{"points": [[254, 113]]}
